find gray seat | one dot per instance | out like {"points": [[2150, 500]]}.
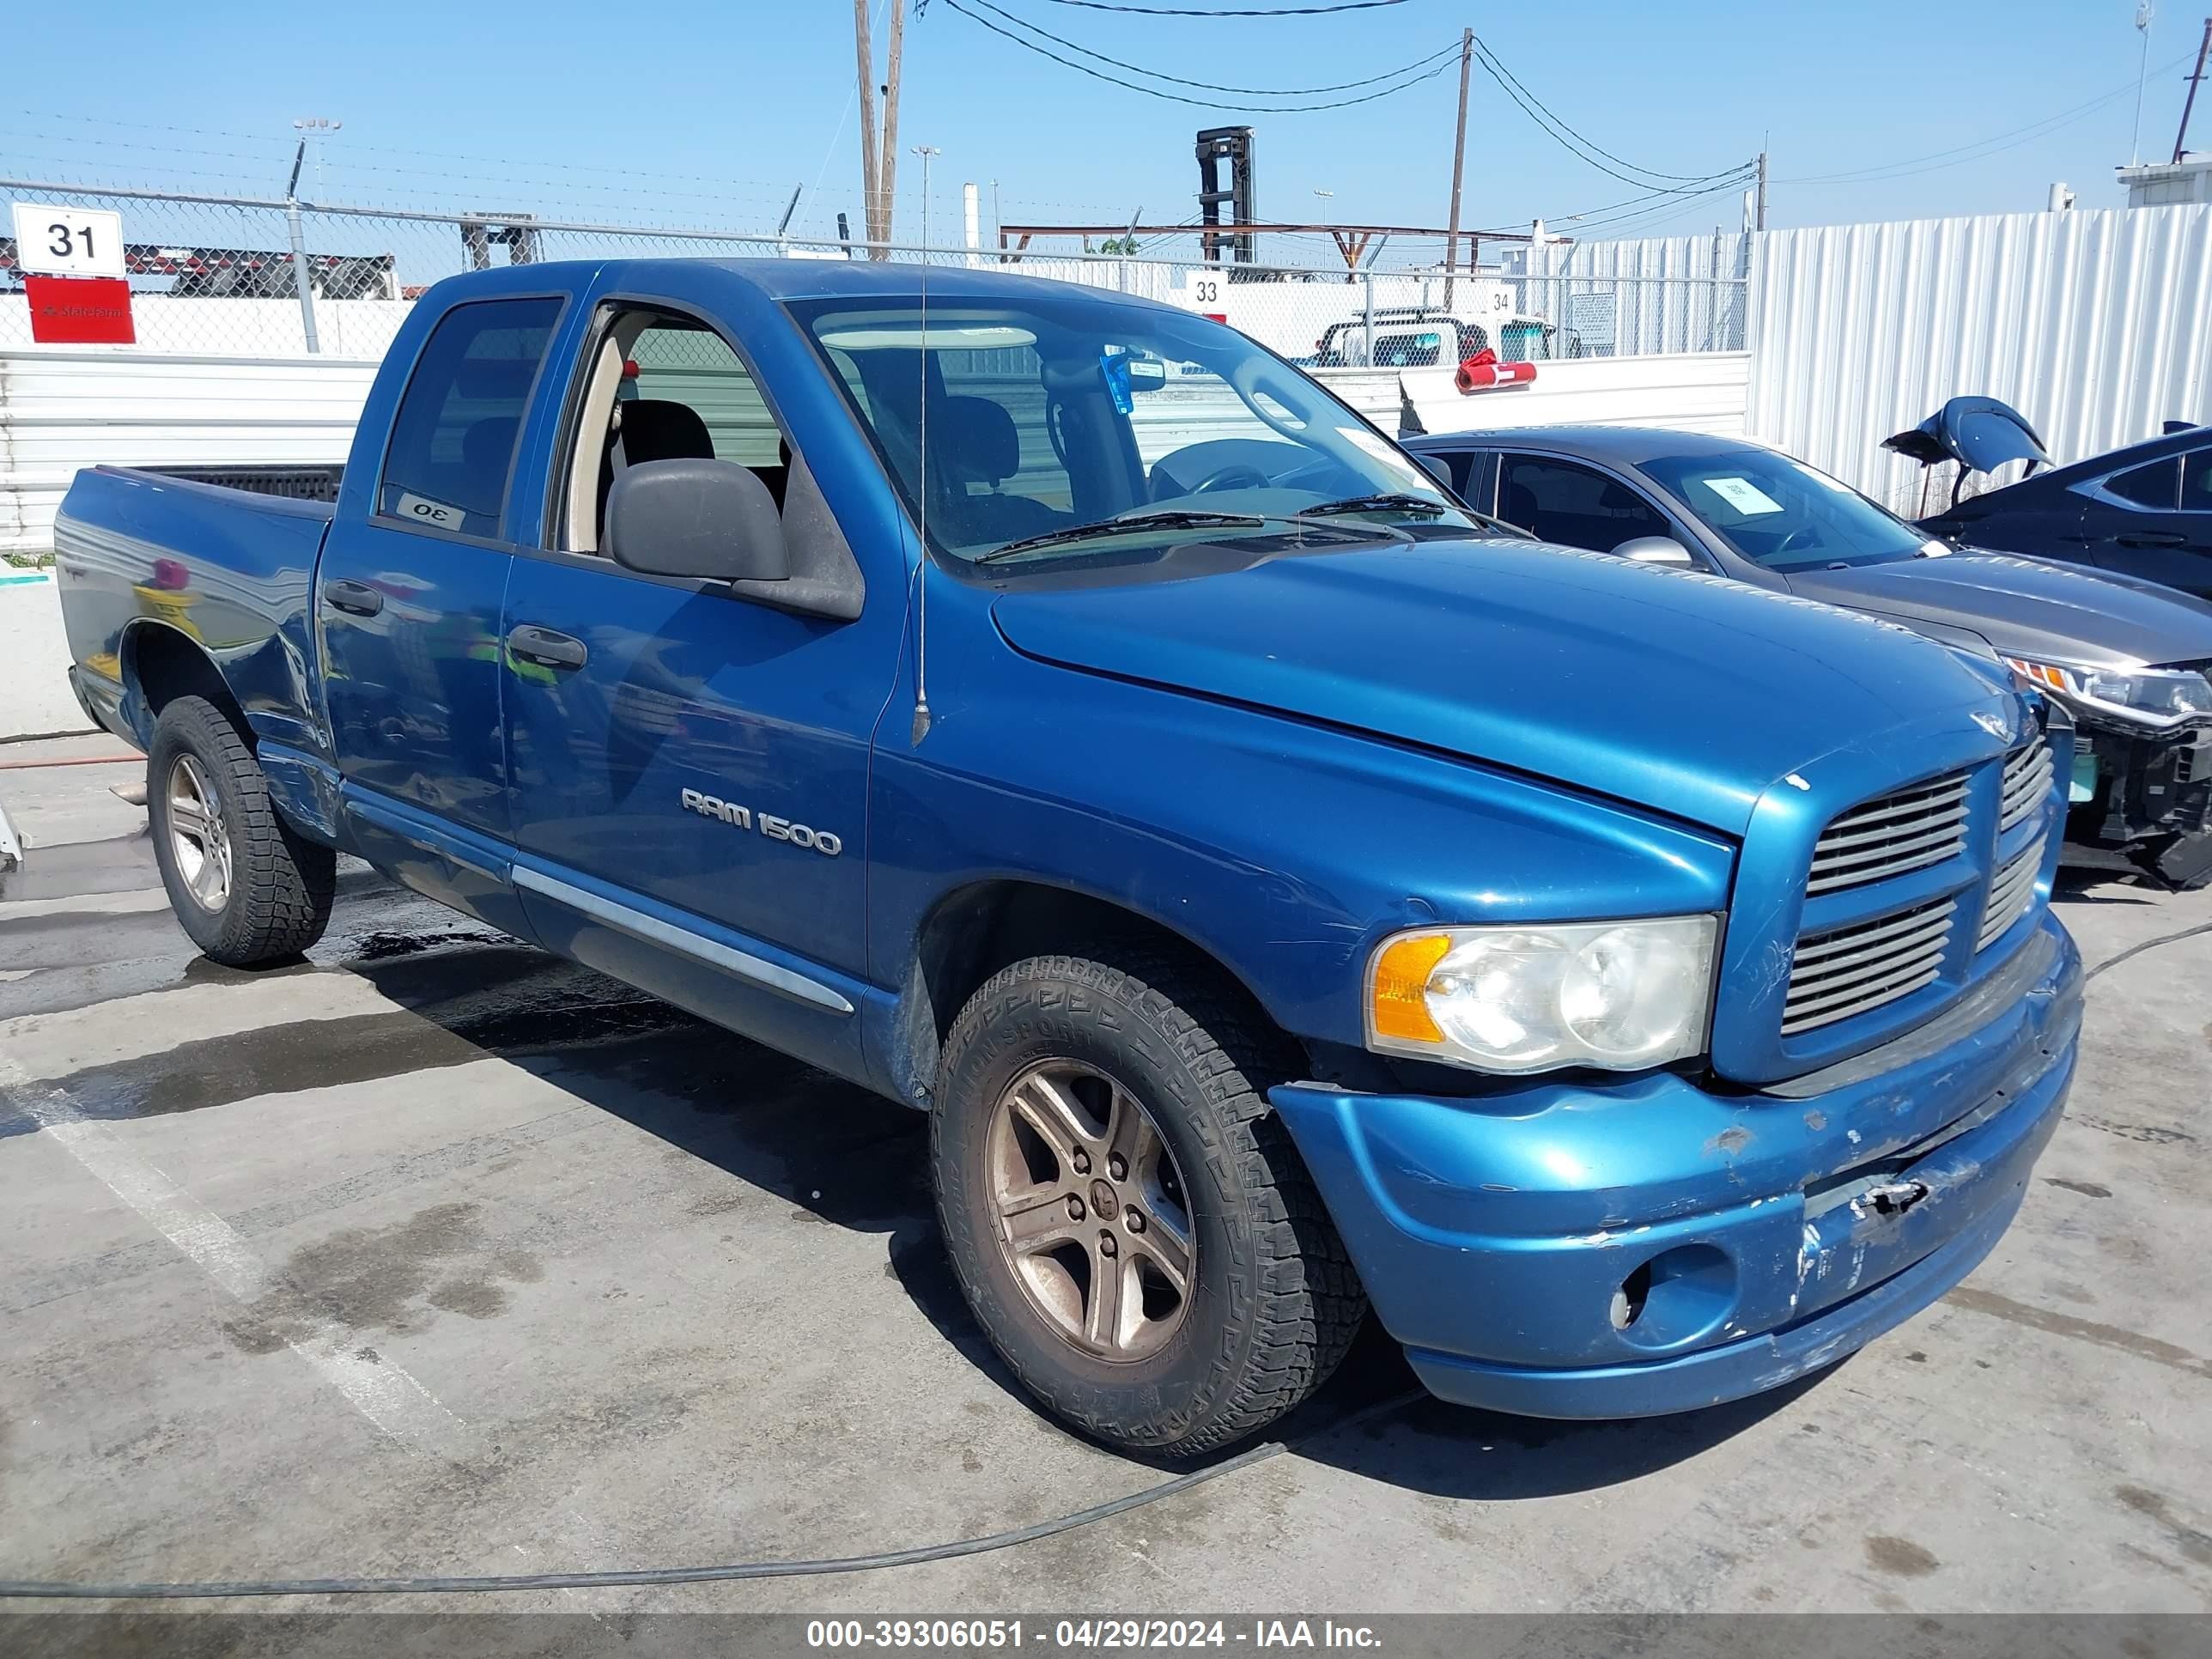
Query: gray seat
{"points": [[981, 445]]}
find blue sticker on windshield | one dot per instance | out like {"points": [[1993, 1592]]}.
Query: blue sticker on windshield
{"points": [[1114, 366]]}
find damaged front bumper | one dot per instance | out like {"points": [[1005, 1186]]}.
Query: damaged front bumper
{"points": [[1581, 1250], [2139, 792]]}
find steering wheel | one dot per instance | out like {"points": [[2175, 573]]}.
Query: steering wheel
{"points": [[1798, 537], [1234, 475]]}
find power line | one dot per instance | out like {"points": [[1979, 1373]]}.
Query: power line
{"points": [[1496, 66], [1438, 68], [1209, 85], [1276, 11], [1653, 208], [1571, 140], [1906, 167]]}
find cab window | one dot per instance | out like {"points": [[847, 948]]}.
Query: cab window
{"points": [[665, 387], [454, 436]]}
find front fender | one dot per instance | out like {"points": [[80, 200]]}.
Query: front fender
{"points": [[1284, 850]]}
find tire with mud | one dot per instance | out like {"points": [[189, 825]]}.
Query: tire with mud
{"points": [[246, 885], [1129, 1220]]}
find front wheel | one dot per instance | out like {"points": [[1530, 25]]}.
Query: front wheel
{"points": [[1129, 1220], [246, 886]]}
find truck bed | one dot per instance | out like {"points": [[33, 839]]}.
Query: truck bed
{"points": [[231, 568], [298, 484]]}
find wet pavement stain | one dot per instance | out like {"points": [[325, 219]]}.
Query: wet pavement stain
{"points": [[392, 1279], [1899, 1557], [2152, 1348], [2087, 1188], [2194, 1544], [2150, 1134], [123, 864], [384, 946], [464, 1006]]}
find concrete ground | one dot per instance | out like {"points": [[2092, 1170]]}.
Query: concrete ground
{"points": [[435, 1256], [34, 659]]}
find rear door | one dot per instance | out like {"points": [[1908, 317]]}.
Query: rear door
{"points": [[2154, 520], [408, 605], [690, 768]]}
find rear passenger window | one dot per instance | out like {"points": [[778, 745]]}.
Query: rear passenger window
{"points": [[1575, 506], [454, 438], [2152, 485]]}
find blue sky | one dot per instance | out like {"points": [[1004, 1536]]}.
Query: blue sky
{"points": [[689, 112]]}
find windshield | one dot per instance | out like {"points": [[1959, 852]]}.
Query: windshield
{"points": [[1783, 514], [1048, 414]]}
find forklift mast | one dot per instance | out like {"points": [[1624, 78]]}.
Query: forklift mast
{"points": [[1233, 145]]}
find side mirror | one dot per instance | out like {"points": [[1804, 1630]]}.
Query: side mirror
{"points": [[710, 520], [1439, 469], [1654, 550]]}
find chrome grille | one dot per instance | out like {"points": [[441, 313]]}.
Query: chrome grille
{"points": [[2027, 783], [2010, 893], [1908, 830], [1834, 975]]}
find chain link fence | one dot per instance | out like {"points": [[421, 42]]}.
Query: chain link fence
{"points": [[268, 277]]}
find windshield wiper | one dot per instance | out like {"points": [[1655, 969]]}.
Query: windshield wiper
{"points": [[1389, 502], [1400, 502], [1177, 519]]}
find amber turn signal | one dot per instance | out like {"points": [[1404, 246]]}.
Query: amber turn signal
{"points": [[1399, 994]]}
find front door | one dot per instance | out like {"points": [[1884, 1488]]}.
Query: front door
{"points": [[690, 768], [409, 603]]}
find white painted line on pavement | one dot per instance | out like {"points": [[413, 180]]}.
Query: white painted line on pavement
{"points": [[150, 1023], [381, 1391], [135, 902]]}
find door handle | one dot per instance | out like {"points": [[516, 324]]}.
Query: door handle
{"points": [[355, 598], [2152, 538], [546, 649]]}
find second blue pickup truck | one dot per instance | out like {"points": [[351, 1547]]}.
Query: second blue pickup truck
{"points": [[1286, 891]]}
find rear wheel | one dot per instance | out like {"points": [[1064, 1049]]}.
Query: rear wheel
{"points": [[246, 886], [1128, 1218]]}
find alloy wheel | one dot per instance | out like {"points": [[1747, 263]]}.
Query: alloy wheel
{"points": [[198, 838], [1092, 1213]]}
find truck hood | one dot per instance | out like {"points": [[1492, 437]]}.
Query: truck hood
{"points": [[1667, 689], [2028, 607]]}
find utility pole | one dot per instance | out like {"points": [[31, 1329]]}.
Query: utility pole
{"points": [[1459, 161], [887, 170], [2203, 50], [865, 47], [1758, 204], [878, 161], [2144, 11]]}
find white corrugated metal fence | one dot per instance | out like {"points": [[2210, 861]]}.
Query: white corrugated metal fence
{"points": [[2096, 325]]}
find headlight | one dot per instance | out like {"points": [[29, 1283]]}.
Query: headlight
{"points": [[2148, 697], [1622, 996]]}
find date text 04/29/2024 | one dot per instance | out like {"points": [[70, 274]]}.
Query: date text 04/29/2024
{"points": [[1087, 1634]]}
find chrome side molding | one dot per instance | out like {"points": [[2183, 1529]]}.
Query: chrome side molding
{"points": [[638, 925]]}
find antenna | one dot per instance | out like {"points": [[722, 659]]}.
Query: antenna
{"points": [[921, 716]]}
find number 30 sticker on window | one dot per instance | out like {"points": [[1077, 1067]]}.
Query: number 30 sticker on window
{"points": [[420, 509]]}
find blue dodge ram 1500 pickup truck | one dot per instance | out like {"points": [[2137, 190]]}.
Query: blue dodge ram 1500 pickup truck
{"points": [[1285, 891]]}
